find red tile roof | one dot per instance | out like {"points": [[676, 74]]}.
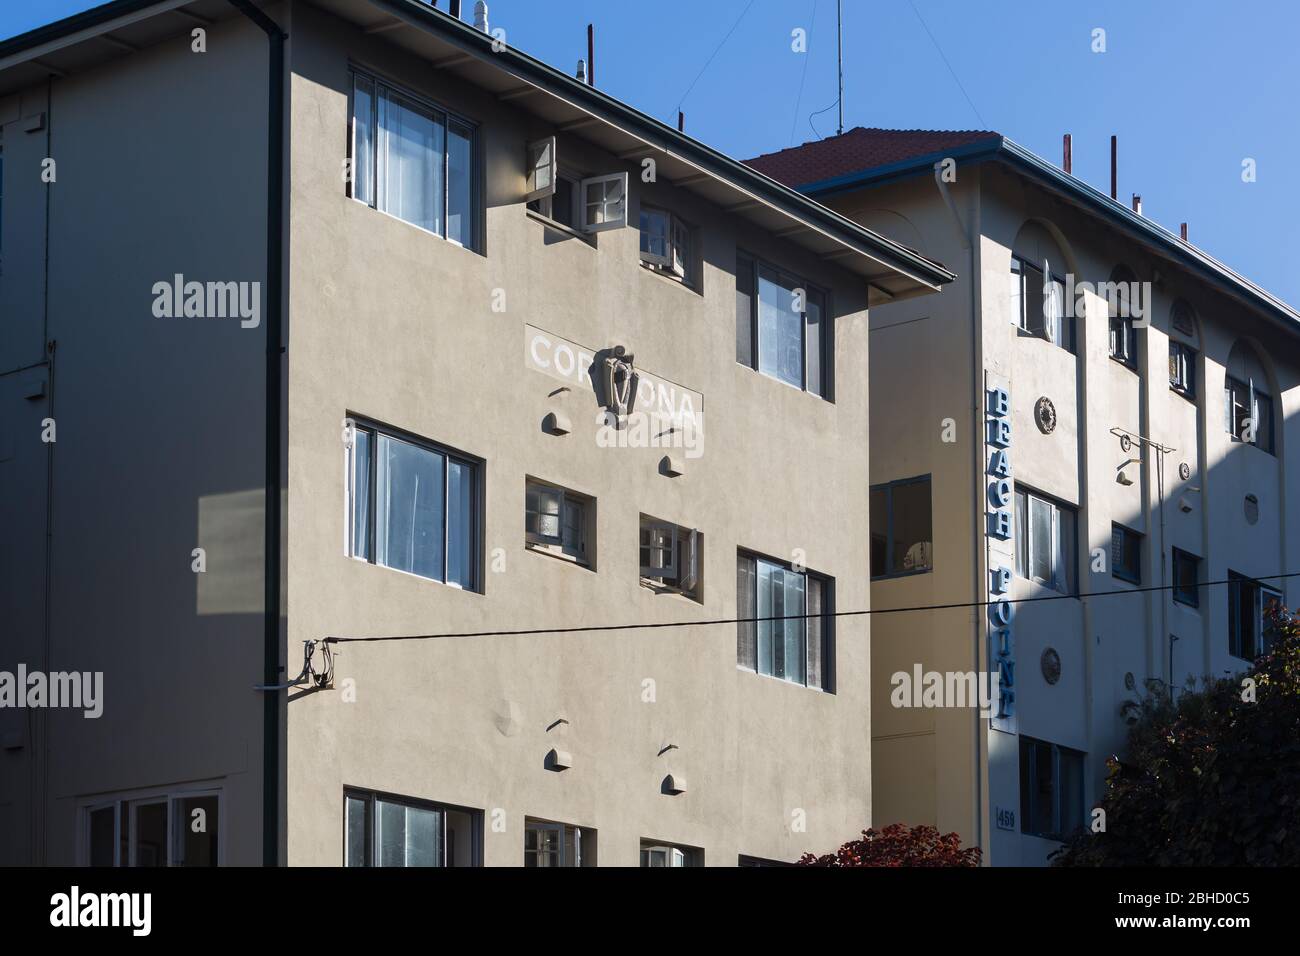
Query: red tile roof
{"points": [[858, 149]]}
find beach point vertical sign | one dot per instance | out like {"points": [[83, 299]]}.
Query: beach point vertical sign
{"points": [[1000, 537]]}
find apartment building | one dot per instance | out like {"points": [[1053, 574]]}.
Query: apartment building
{"points": [[1095, 405], [449, 363]]}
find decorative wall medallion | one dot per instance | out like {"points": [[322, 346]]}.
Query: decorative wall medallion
{"points": [[1045, 415], [1252, 509], [1125, 444], [1184, 470], [1051, 664]]}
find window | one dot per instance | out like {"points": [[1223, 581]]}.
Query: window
{"points": [[786, 626], [1125, 554], [381, 830], [654, 853], [782, 327], [671, 557], [164, 829], [414, 507], [1182, 369], [558, 844], [667, 244], [1187, 569], [1123, 336], [1045, 536], [559, 521], [1248, 413], [413, 160], [561, 206], [1051, 789], [1251, 606], [900, 528], [1038, 311]]}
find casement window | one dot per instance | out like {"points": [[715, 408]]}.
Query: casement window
{"points": [[589, 205], [783, 329], [901, 541], [786, 626], [1187, 574], [1123, 341], [671, 557], [413, 506], [1045, 541], [1125, 554], [162, 829], [1182, 369], [559, 521], [1037, 310], [654, 853], [385, 830], [1051, 789], [1251, 606], [414, 161], [667, 244], [1248, 413], [558, 844]]}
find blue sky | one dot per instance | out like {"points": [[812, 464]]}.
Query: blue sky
{"points": [[1191, 87]]}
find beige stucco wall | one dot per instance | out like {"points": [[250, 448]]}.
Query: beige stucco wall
{"points": [[922, 362], [393, 324]]}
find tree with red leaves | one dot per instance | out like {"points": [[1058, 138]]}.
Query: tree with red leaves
{"points": [[899, 845]]}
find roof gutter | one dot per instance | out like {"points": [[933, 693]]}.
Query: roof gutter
{"points": [[271, 530], [1144, 230], [661, 136]]}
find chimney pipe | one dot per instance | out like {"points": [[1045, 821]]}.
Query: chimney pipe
{"points": [[581, 73], [455, 8], [480, 16], [1137, 204], [591, 54], [1183, 231], [1067, 160], [1114, 167], [681, 121]]}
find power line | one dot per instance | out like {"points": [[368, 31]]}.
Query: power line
{"points": [[803, 75], [792, 617], [716, 49], [946, 63]]}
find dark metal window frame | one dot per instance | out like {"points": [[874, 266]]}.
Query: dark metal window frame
{"points": [[1124, 574], [1181, 595], [1238, 585], [888, 487], [829, 635], [477, 517], [827, 357], [1187, 357], [1068, 319], [1056, 751], [372, 796]]}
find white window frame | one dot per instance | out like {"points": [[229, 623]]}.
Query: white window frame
{"points": [[672, 856], [677, 260], [570, 504], [612, 203], [543, 169], [1183, 379], [135, 799], [1057, 509], [682, 576]]}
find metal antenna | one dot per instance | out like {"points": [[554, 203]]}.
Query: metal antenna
{"points": [[839, 30]]}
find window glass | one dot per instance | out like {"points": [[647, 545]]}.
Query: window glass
{"points": [[363, 140], [357, 826], [422, 837], [1126, 554], [816, 315], [1185, 578], [197, 826], [361, 443], [151, 834], [655, 224], [409, 508], [745, 311], [543, 845], [102, 836], [768, 601], [460, 183], [780, 329], [411, 145], [911, 526], [460, 524], [1040, 541], [391, 833], [746, 611]]}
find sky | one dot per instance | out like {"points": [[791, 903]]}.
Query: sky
{"points": [[1192, 88]]}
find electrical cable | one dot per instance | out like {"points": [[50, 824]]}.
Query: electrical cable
{"points": [[803, 74], [524, 632], [946, 63], [716, 49]]}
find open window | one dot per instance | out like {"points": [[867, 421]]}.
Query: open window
{"points": [[667, 854], [667, 244], [550, 844], [603, 203], [671, 557], [559, 521], [586, 205], [542, 169]]}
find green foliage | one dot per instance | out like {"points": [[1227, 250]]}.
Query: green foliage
{"points": [[899, 845], [1210, 778]]}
